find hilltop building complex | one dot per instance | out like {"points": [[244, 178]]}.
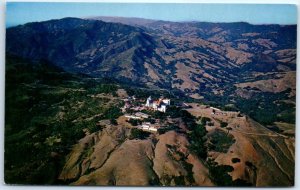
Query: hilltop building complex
{"points": [[158, 105]]}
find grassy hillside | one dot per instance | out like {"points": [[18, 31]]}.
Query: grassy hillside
{"points": [[47, 111]]}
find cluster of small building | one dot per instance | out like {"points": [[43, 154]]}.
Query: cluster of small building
{"points": [[157, 105], [131, 103], [129, 98], [147, 126], [137, 115], [134, 106]]}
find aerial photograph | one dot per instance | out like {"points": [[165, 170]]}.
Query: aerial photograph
{"points": [[150, 94]]}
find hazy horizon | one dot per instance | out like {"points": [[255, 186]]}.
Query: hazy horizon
{"points": [[283, 14], [91, 17]]}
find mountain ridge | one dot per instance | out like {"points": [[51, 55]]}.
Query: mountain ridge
{"points": [[231, 122], [201, 60]]}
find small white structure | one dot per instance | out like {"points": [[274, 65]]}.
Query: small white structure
{"points": [[149, 102], [132, 116], [166, 101], [162, 108], [184, 104], [148, 127], [152, 129], [143, 115], [133, 98], [217, 109], [145, 126]]}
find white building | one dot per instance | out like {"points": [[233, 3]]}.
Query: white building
{"points": [[152, 129], [149, 102], [145, 126], [162, 108], [143, 115], [132, 116], [166, 101], [159, 105], [215, 108], [148, 127]]}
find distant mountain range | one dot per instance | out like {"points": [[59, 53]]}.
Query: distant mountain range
{"points": [[199, 59]]}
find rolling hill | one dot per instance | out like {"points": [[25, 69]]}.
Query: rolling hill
{"points": [[62, 79]]}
